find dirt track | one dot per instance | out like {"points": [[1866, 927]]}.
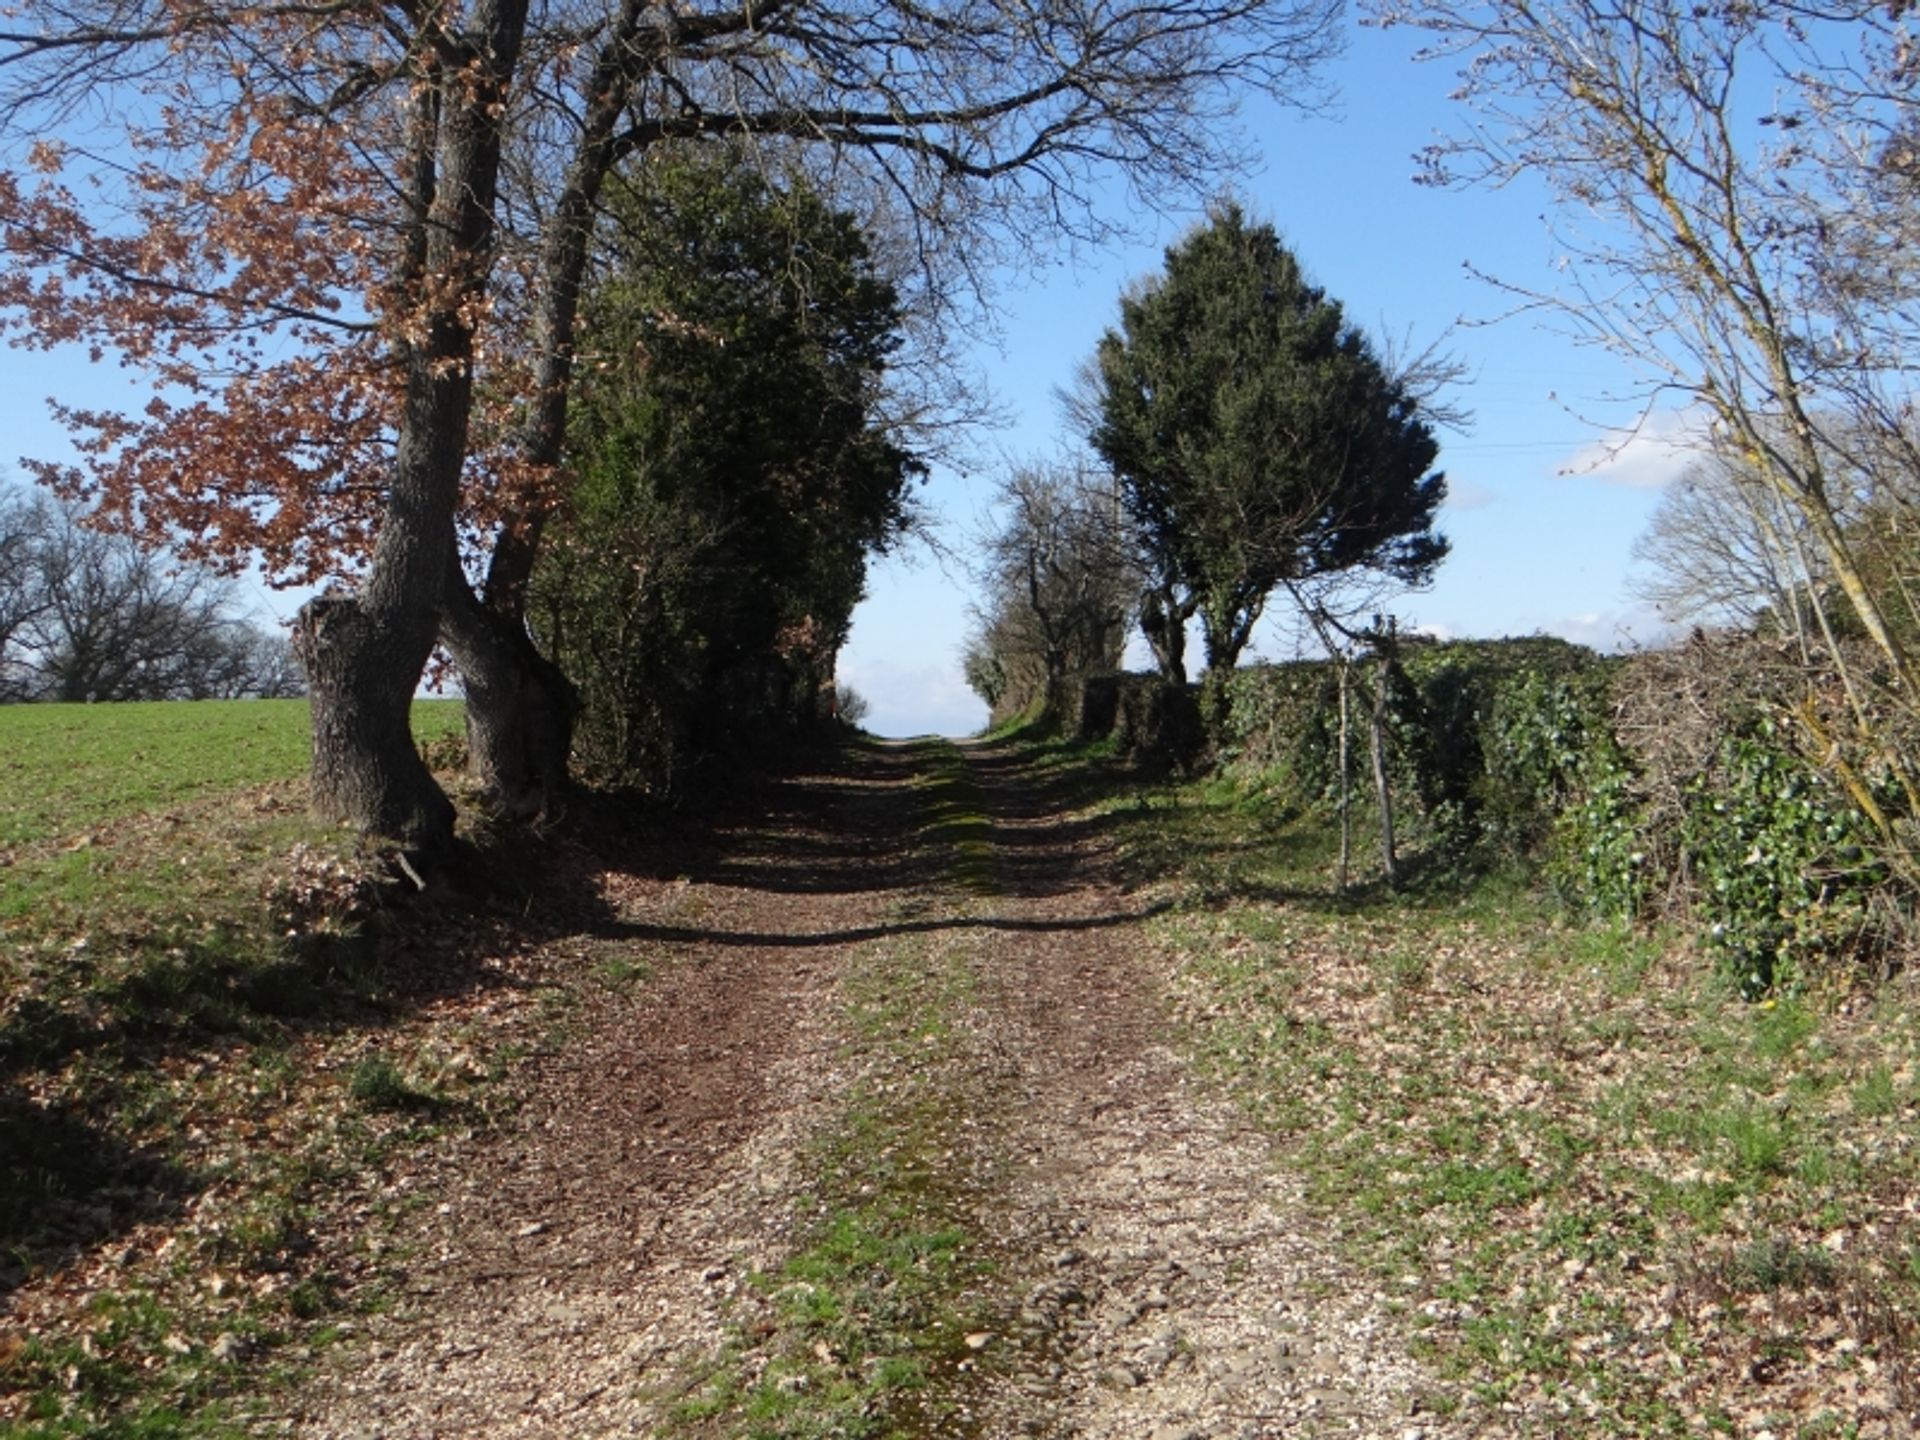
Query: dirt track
{"points": [[1150, 1274]]}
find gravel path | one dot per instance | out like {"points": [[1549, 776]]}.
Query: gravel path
{"points": [[570, 1276]]}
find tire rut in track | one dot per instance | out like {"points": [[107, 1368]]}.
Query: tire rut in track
{"points": [[559, 1265]]}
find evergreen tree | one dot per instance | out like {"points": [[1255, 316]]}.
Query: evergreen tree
{"points": [[732, 476], [1256, 437]]}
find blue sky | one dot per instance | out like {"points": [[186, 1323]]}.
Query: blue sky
{"points": [[1536, 548], [1542, 514]]}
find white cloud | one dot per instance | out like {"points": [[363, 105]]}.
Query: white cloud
{"points": [[1468, 495], [1634, 628], [1649, 457]]}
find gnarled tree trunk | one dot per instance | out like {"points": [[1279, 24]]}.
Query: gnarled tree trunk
{"points": [[364, 654], [520, 707], [365, 766]]}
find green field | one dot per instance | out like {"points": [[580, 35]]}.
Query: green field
{"points": [[64, 768]]}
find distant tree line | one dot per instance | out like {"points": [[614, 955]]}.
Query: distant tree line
{"points": [[1062, 580], [87, 615]]}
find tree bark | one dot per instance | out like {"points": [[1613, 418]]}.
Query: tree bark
{"points": [[520, 707], [364, 655], [1227, 629], [1331, 633], [366, 767], [1345, 671]]}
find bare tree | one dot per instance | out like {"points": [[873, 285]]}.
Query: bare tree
{"points": [[86, 615], [22, 597], [1733, 184], [1332, 606], [1721, 549], [243, 661], [1709, 256], [1061, 579]]}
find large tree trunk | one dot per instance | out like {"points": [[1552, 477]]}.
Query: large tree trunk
{"points": [[364, 655], [365, 766], [520, 707]]}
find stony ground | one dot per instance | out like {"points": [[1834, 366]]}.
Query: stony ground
{"points": [[599, 1266]]}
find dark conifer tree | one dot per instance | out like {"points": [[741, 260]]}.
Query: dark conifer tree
{"points": [[1257, 439]]}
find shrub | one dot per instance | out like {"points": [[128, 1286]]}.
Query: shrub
{"points": [[1598, 862], [1486, 737], [1749, 808], [1155, 724], [1283, 720], [850, 707], [1779, 862]]}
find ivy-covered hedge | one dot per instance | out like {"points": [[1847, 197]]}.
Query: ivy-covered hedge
{"points": [[1676, 784], [1740, 815], [1483, 735]]}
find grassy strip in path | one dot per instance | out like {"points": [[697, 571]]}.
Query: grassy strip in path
{"points": [[956, 824], [1609, 1198], [862, 1331], [848, 1336]]}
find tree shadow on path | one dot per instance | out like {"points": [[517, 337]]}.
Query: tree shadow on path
{"points": [[886, 818]]}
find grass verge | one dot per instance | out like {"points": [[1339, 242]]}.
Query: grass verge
{"points": [[1606, 1196]]}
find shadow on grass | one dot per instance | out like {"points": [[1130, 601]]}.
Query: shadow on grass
{"points": [[175, 997], [1046, 817], [1227, 844], [67, 1182], [83, 1150], [898, 817]]}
